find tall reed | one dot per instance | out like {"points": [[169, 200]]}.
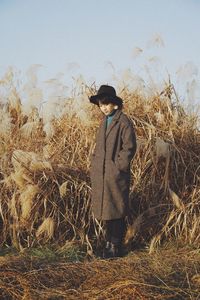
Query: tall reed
{"points": [[45, 188]]}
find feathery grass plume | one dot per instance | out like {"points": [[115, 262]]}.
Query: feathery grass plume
{"points": [[162, 148], [13, 206], [194, 232], [187, 71], [30, 161], [155, 241], [137, 51], [33, 94], [29, 129], [40, 165], [26, 200], [176, 200], [49, 130], [22, 159], [48, 151], [7, 78], [63, 188], [21, 177], [81, 107], [49, 110], [14, 103], [33, 101], [46, 229], [18, 178], [2, 211], [156, 41], [5, 126], [159, 117]]}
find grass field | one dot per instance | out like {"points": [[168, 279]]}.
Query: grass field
{"points": [[45, 198], [170, 273]]}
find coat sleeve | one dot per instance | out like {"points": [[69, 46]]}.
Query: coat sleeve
{"points": [[128, 148]]}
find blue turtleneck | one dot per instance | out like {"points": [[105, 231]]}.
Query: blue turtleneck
{"points": [[110, 117]]}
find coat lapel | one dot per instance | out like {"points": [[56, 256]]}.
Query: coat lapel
{"points": [[114, 121], [103, 133]]}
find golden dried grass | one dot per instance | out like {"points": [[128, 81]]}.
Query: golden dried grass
{"points": [[168, 274], [54, 155], [46, 228], [26, 200]]}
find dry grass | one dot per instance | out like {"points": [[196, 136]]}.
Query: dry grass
{"points": [[45, 187], [167, 274]]}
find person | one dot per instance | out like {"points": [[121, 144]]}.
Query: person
{"points": [[110, 169]]}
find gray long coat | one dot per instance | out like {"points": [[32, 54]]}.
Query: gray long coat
{"points": [[110, 168]]}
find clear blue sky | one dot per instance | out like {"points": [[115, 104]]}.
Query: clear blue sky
{"points": [[83, 36]]}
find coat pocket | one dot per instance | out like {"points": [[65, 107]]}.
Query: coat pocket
{"points": [[115, 170]]}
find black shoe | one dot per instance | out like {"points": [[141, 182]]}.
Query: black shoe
{"points": [[106, 250], [111, 250]]}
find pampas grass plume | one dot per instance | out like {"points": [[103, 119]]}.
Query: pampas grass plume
{"points": [[49, 130], [29, 160], [14, 101], [46, 228], [40, 165], [12, 206], [63, 189], [176, 200], [162, 148], [29, 128], [26, 200]]}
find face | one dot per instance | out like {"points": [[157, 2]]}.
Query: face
{"points": [[107, 108]]}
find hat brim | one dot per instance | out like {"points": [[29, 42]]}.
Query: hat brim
{"points": [[113, 99]]}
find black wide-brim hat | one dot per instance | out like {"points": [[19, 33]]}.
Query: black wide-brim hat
{"points": [[106, 91]]}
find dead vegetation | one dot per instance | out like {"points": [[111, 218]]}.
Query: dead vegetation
{"points": [[167, 274], [44, 171], [45, 198]]}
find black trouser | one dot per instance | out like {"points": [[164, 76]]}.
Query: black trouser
{"points": [[115, 230]]}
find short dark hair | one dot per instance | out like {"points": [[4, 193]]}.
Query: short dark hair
{"points": [[108, 100]]}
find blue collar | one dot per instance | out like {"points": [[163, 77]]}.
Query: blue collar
{"points": [[110, 117]]}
